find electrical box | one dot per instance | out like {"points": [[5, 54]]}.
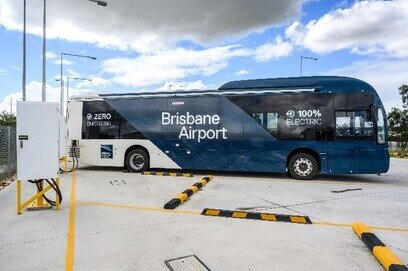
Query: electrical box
{"points": [[38, 131], [62, 137]]}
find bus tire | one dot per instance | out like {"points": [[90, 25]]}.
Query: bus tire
{"points": [[303, 166], [137, 160]]}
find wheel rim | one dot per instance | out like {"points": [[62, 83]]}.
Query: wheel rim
{"points": [[137, 161], [303, 167]]}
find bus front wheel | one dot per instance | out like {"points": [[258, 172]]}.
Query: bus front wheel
{"points": [[137, 160], [303, 166]]}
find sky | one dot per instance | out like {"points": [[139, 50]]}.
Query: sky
{"points": [[149, 45]]}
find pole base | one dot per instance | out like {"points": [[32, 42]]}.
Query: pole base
{"points": [[35, 207]]}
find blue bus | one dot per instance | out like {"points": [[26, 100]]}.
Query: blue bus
{"points": [[300, 125]]}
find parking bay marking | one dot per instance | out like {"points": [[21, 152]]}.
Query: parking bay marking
{"points": [[70, 252], [194, 212]]}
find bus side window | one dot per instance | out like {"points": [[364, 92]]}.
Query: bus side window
{"points": [[343, 124], [272, 123], [259, 117], [356, 124], [267, 120]]}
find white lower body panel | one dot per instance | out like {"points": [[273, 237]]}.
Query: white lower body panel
{"points": [[90, 153]]}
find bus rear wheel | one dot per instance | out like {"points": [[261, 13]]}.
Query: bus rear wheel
{"points": [[137, 160], [303, 166]]}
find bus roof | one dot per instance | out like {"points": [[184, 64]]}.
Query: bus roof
{"points": [[319, 83], [257, 86]]}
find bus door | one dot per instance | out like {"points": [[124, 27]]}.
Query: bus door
{"points": [[180, 147], [367, 155], [353, 150]]}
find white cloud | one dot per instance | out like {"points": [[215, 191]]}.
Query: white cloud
{"points": [[16, 68], [384, 75], [175, 64], [50, 55], [97, 81], [367, 27], [146, 25], [65, 62], [72, 73], [273, 50], [3, 72], [241, 72], [33, 92], [170, 65]]}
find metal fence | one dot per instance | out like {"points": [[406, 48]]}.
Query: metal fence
{"points": [[8, 155]]}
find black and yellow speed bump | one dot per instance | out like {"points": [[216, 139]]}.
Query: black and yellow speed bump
{"points": [[383, 254], [172, 174], [257, 216], [183, 196]]}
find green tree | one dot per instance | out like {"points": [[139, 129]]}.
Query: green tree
{"points": [[398, 119], [7, 119], [403, 90]]}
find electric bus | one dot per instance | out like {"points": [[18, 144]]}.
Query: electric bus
{"points": [[302, 125]]}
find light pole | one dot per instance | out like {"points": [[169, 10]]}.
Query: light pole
{"points": [[44, 48], [301, 62], [61, 74], [44, 60], [24, 53], [73, 78]]}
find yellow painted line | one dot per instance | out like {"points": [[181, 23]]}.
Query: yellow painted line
{"points": [[194, 188], [203, 182], [212, 212], [389, 229], [350, 225], [137, 208], [70, 253]]}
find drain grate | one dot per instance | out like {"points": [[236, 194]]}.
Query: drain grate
{"points": [[116, 182], [186, 263]]}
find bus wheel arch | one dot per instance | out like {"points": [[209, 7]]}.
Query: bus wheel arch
{"points": [[141, 154], [306, 156]]}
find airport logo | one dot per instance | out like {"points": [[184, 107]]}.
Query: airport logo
{"points": [[106, 151]]}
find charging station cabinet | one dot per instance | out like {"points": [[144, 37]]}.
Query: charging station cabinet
{"points": [[62, 137], [38, 135]]}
